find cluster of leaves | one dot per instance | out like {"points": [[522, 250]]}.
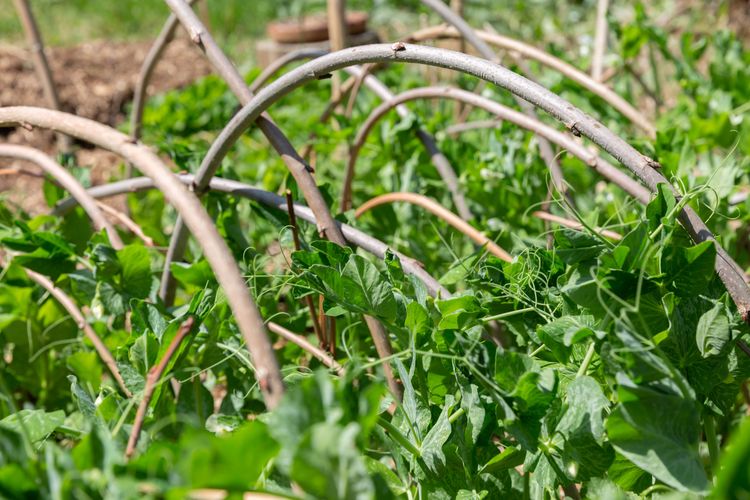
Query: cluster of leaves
{"points": [[600, 368]]}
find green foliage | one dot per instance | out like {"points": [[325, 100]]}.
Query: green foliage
{"points": [[614, 367]]}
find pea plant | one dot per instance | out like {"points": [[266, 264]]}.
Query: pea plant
{"points": [[470, 288]]}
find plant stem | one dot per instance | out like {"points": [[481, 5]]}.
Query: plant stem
{"points": [[507, 314], [456, 415], [709, 426], [586, 360], [398, 437]]}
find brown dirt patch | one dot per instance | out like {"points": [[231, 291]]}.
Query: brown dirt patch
{"points": [[95, 80]]}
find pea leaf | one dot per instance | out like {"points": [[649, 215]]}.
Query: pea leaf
{"points": [[658, 432]]}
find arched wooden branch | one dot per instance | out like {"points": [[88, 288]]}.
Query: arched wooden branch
{"points": [[236, 188], [550, 61], [189, 207], [68, 182], [573, 118], [442, 165], [442, 213], [607, 170]]}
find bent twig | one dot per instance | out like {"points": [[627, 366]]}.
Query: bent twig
{"points": [[441, 212], [573, 118], [297, 167]]}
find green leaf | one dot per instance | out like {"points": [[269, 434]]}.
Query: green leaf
{"points": [[36, 424], [689, 270], [432, 444], [577, 246], [233, 461], [662, 204], [143, 353], [713, 332], [136, 270], [582, 427], [198, 274], [659, 432], [509, 458], [458, 313], [376, 291], [87, 367]]}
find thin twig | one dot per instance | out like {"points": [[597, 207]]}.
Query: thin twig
{"points": [[297, 246], [600, 40], [305, 345], [154, 376], [439, 211], [126, 221], [214, 247], [66, 180]]}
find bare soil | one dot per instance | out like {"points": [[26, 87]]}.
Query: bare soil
{"points": [[95, 80]]}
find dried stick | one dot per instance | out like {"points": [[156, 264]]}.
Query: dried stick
{"points": [[68, 182], [439, 211], [336, 38], [574, 119], [600, 40], [235, 188], [566, 142], [154, 376], [552, 62], [126, 221], [70, 306], [305, 345], [572, 224], [301, 172], [297, 246], [44, 73], [189, 207]]}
